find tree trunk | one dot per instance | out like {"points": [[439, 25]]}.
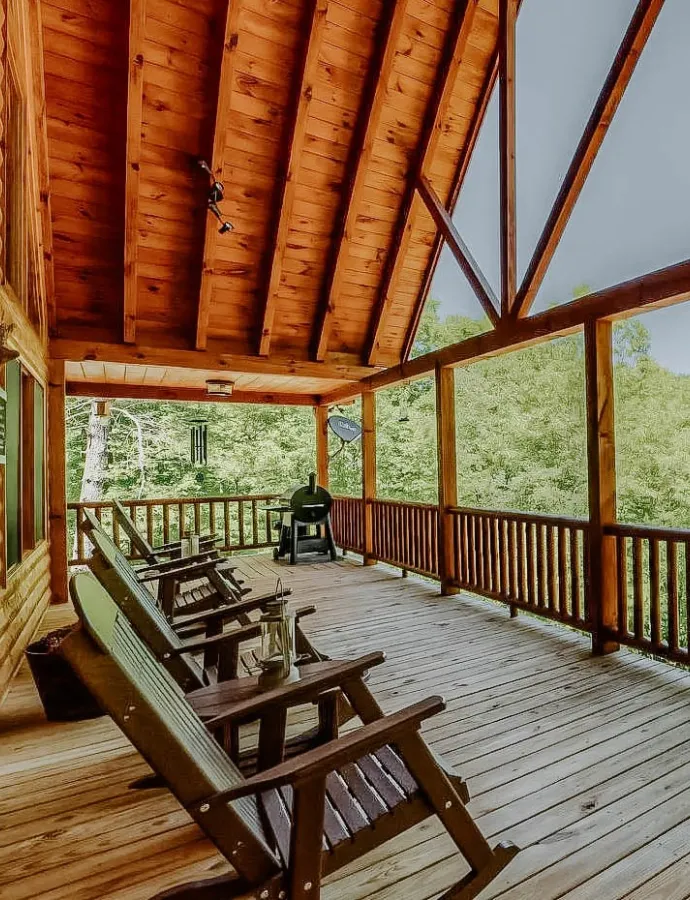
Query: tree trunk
{"points": [[95, 461]]}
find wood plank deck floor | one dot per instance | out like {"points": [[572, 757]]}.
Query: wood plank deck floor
{"points": [[583, 762]]}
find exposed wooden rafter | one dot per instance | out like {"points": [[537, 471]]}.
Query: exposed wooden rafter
{"points": [[135, 103], [182, 394], [220, 128], [507, 16], [459, 30], [213, 358], [607, 103], [306, 75], [657, 289], [460, 251], [359, 158]]}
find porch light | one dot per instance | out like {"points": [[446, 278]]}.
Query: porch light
{"points": [[221, 388]]}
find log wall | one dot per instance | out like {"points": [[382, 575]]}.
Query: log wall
{"points": [[25, 590]]}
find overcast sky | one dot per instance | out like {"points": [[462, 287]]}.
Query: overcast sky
{"points": [[633, 215]]}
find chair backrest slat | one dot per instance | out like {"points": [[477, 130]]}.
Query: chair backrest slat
{"points": [[151, 710]]}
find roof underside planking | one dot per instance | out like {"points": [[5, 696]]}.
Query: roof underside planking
{"points": [[317, 115]]}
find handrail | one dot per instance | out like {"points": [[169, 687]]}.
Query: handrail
{"points": [[240, 521]]}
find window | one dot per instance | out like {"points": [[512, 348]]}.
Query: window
{"points": [[25, 518], [13, 470]]}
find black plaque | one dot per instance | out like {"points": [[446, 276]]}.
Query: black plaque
{"points": [[346, 429]]}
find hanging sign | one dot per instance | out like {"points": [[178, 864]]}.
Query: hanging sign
{"points": [[346, 429]]}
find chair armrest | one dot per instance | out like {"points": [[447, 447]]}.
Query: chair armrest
{"points": [[207, 540], [186, 569], [228, 611], [327, 758], [331, 674], [171, 564], [247, 632], [304, 611]]}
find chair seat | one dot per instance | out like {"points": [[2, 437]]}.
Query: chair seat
{"points": [[357, 796]]}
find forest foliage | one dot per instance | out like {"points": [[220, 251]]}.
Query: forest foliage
{"points": [[521, 435]]}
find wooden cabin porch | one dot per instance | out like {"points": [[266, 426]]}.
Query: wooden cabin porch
{"points": [[582, 761]]}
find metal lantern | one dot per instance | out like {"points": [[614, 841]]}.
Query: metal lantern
{"points": [[278, 656]]}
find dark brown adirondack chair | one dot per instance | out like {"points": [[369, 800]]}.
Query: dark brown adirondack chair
{"points": [[140, 545], [117, 576], [284, 828], [167, 558], [216, 572]]}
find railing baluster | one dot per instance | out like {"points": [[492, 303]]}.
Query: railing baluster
{"points": [[687, 595], [255, 522], [654, 593], [552, 590], [638, 590], [530, 534], [522, 593], [540, 552], [166, 523], [672, 593], [240, 512], [149, 524], [562, 551], [622, 571], [181, 524], [575, 597]]}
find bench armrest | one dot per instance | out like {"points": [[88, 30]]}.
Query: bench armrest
{"points": [[323, 760], [227, 612]]}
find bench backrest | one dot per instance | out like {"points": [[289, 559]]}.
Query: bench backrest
{"points": [[119, 578], [151, 710]]}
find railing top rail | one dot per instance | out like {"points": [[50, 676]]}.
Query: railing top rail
{"points": [[545, 518], [648, 531], [170, 501], [408, 503]]}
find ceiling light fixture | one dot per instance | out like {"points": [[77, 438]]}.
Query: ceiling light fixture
{"points": [[215, 196], [219, 388]]}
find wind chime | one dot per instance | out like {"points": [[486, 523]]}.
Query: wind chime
{"points": [[199, 443]]}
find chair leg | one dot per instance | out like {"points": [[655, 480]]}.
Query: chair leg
{"points": [[446, 803], [306, 840], [475, 883]]}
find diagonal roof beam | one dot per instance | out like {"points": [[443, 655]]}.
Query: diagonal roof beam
{"points": [[607, 103], [460, 251], [373, 102], [220, 129], [458, 181], [507, 15], [307, 71], [135, 102], [459, 31]]}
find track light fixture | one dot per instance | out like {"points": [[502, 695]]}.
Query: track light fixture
{"points": [[215, 196]]}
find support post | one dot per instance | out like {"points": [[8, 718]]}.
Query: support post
{"points": [[601, 455], [322, 446], [447, 475], [57, 489], [368, 472]]}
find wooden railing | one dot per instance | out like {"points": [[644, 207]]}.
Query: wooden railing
{"points": [[241, 522], [653, 588], [532, 562], [406, 535], [347, 521]]}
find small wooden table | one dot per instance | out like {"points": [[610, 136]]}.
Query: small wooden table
{"points": [[244, 700]]}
